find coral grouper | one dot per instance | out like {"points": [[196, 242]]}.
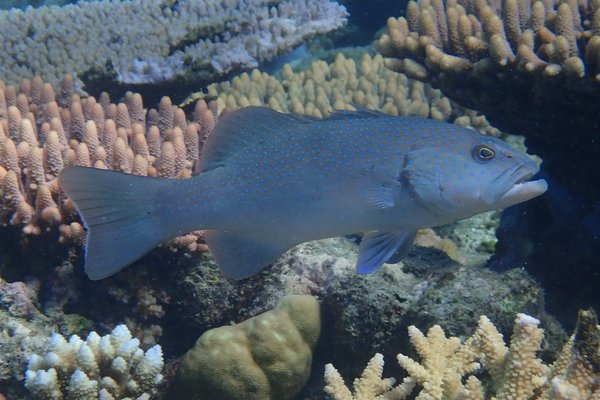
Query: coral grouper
{"points": [[269, 181]]}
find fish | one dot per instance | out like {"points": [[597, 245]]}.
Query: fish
{"points": [[268, 181]]}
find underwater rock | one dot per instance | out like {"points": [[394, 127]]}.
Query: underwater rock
{"points": [[265, 357], [23, 328]]}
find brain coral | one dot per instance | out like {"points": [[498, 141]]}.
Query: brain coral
{"points": [[265, 357]]}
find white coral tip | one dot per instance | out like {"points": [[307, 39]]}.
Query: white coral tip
{"points": [[524, 319]]}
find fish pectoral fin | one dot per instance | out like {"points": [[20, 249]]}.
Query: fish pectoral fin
{"points": [[379, 187], [377, 248], [240, 257], [380, 195]]}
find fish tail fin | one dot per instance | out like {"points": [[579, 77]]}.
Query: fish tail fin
{"points": [[121, 214]]}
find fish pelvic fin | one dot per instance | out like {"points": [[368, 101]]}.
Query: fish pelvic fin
{"points": [[378, 248], [120, 213]]}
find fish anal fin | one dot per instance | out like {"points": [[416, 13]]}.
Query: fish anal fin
{"points": [[240, 257], [377, 248]]}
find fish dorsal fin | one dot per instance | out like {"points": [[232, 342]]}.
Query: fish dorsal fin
{"points": [[377, 248], [238, 129], [360, 113], [239, 257]]}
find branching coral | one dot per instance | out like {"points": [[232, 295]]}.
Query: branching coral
{"points": [[108, 367], [42, 132], [341, 85], [369, 386], [143, 41], [450, 369], [485, 37], [515, 60]]}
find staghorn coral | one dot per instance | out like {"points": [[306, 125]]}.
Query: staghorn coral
{"points": [[108, 367], [369, 386], [143, 41], [452, 370], [42, 132], [322, 88]]}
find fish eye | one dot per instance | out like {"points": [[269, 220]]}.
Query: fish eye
{"points": [[483, 152]]}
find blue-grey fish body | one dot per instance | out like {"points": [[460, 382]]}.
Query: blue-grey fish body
{"points": [[269, 181]]}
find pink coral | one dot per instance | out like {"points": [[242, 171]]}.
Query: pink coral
{"points": [[42, 132]]}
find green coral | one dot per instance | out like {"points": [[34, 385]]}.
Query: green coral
{"points": [[265, 357]]}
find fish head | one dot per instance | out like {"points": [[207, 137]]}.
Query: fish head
{"points": [[471, 174]]}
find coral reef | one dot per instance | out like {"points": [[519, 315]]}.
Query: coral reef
{"points": [[343, 84], [188, 291], [108, 367], [154, 41], [265, 357], [361, 314], [451, 369]]}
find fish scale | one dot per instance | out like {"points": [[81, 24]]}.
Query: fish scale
{"points": [[269, 181]]}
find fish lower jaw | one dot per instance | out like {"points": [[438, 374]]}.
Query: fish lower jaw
{"points": [[522, 191]]}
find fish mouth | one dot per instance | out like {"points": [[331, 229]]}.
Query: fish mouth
{"points": [[522, 188]]}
